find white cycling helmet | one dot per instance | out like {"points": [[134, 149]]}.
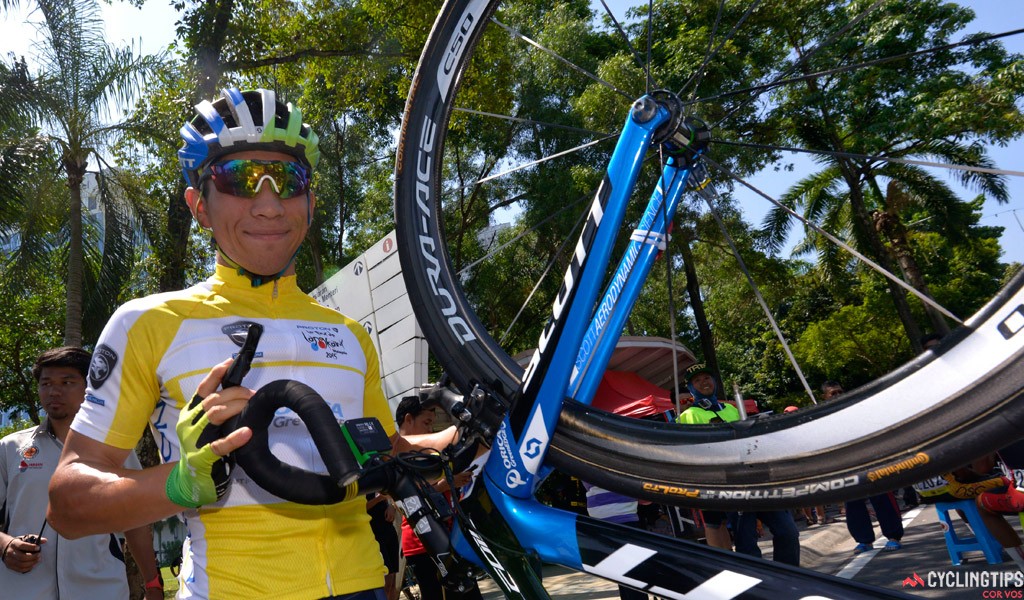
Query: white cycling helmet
{"points": [[238, 121]]}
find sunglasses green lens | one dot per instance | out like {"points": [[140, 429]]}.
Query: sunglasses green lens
{"points": [[246, 178]]}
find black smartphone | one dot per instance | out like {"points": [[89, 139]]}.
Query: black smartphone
{"points": [[243, 361]]}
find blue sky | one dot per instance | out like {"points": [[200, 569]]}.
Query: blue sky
{"points": [[153, 26]]}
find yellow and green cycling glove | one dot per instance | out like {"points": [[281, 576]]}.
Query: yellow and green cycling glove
{"points": [[200, 476]]}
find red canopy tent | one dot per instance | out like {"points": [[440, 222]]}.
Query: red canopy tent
{"points": [[626, 393]]}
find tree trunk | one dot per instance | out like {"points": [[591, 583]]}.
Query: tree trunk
{"points": [[75, 168], [707, 343], [339, 137], [862, 222], [175, 252], [889, 226]]}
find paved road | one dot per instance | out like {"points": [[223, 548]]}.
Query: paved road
{"points": [[829, 549]]}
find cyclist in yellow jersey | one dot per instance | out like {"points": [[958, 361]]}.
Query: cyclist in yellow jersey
{"points": [[247, 159]]}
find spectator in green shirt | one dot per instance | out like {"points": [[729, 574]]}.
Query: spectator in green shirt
{"points": [[706, 407]]}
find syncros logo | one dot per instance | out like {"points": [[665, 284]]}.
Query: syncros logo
{"points": [[571, 275], [427, 247]]}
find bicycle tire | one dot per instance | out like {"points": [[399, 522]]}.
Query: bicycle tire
{"points": [[836, 451]]}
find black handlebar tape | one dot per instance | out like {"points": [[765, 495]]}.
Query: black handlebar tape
{"points": [[284, 480]]}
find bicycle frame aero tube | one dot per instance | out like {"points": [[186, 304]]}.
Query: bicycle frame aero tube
{"points": [[663, 566], [522, 442], [646, 243]]}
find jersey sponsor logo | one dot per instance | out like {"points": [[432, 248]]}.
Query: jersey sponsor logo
{"points": [[104, 359], [27, 453], [25, 466], [95, 400], [237, 331], [324, 339], [514, 478]]}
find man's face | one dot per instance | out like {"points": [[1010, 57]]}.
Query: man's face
{"points": [[261, 234], [419, 425], [832, 392], [61, 392], [703, 383]]}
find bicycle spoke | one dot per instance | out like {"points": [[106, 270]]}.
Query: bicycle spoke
{"points": [[806, 56], [708, 192], [640, 62], [536, 162], [533, 122], [902, 161], [547, 268], [710, 54], [837, 70], [875, 266], [515, 33]]}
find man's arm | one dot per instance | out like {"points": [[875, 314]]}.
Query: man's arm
{"points": [[92, 492], [140, 543], [429, 441]]}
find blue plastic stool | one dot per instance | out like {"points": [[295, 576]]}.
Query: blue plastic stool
{"points": [[982, 539]]}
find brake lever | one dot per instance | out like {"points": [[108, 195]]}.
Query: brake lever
{"points": [[243, 361]]}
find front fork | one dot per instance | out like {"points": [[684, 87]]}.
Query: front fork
{"points": [[512, 471]]}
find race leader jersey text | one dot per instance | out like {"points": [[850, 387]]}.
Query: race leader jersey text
{"points": [[149, 361]]}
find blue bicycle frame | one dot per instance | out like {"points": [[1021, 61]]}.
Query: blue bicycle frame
{"points": [[572, 354]]}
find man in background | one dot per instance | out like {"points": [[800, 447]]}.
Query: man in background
{"points": [[37, 562]]}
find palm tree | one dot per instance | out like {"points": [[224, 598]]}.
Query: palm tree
{"points": [[80, 76], [870, 220], [912, 108]]}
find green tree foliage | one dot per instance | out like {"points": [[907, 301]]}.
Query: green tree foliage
{"points": [[33, 320], [928, 107], [79, 76], [348, 66]]}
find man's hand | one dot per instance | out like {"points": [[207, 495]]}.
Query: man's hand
{"points": [[202, 473], [22, 556]]}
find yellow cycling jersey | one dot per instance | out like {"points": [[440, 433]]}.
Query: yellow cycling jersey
{"points": [[148, 363]]}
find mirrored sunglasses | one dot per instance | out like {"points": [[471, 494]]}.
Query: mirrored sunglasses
{"points": [[244, 178]]}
